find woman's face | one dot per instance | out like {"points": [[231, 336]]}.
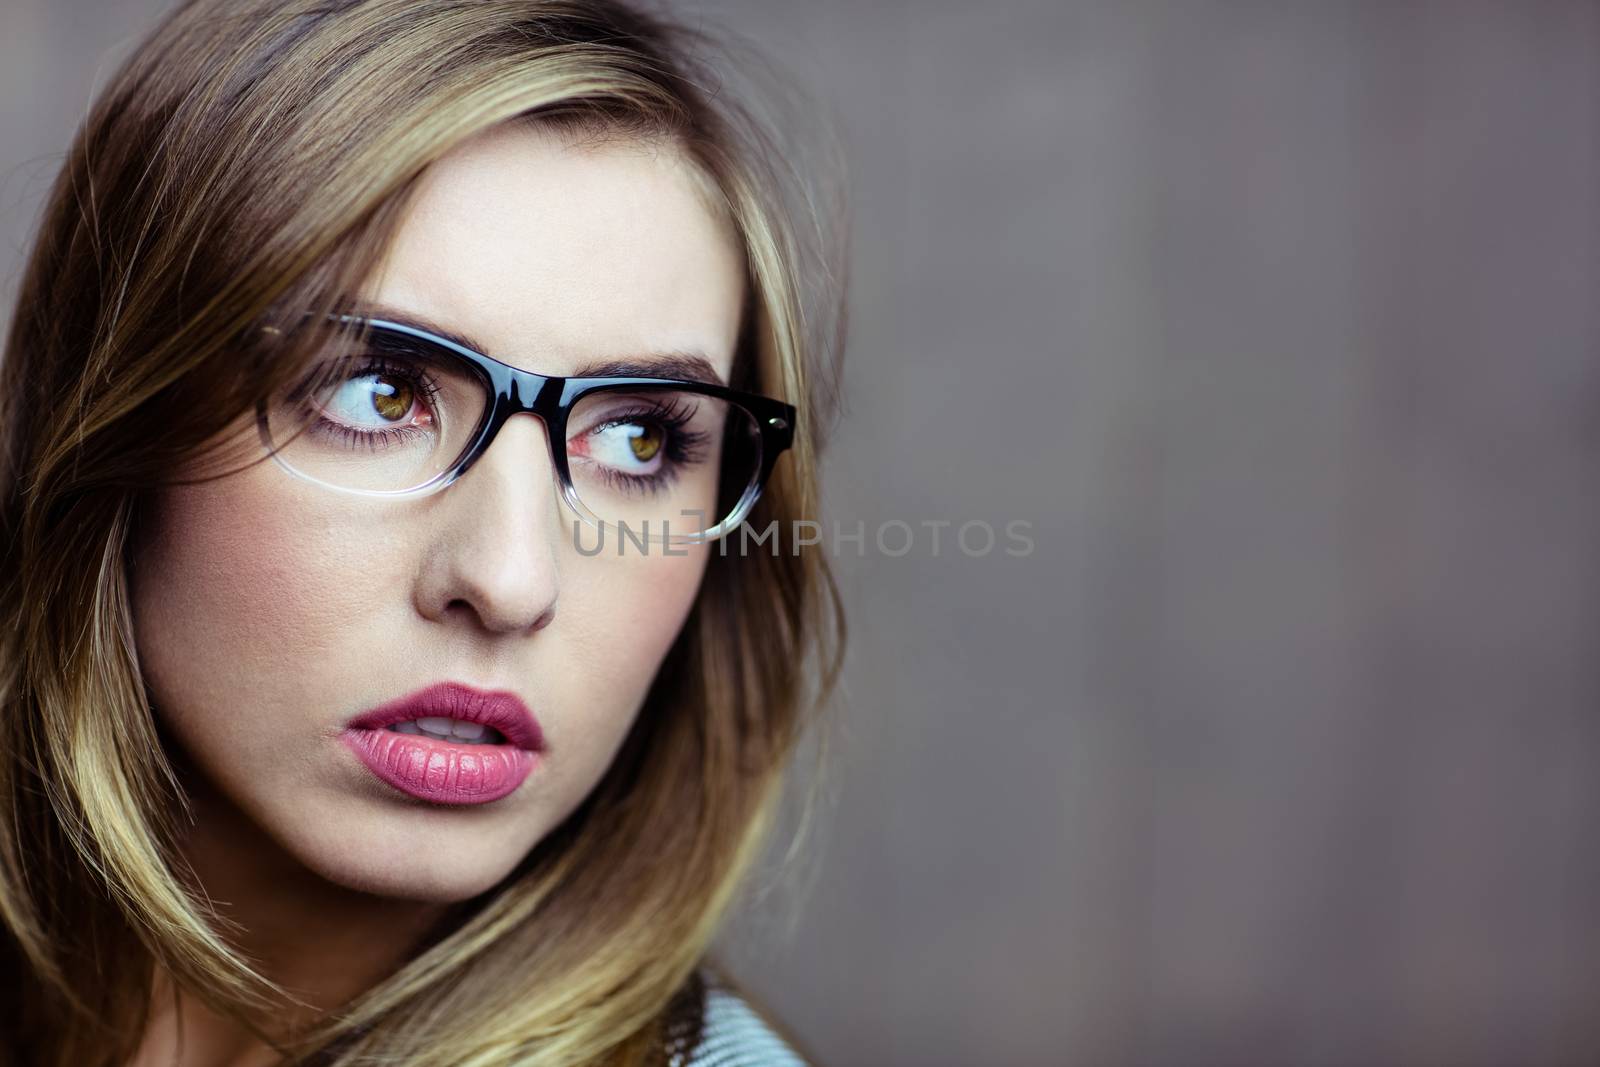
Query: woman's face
{"points": [[269, 612]]}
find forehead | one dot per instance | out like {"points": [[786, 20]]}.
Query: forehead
{"points": [[552, 254]]}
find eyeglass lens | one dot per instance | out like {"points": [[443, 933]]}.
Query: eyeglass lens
{"points": [[386, 413]]}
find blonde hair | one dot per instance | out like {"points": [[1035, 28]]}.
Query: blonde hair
{"points": [[253, 156]]}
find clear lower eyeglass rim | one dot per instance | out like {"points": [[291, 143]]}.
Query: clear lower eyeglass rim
{"points": [[442, 480]]}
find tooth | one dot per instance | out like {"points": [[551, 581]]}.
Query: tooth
{"points": [[443, 729]]}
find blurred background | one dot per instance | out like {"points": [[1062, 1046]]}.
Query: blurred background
{"points": [[1279, 323]]}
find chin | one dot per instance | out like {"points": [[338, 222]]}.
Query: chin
{"points": [[428, 874], [435, 885], [405, 853]]}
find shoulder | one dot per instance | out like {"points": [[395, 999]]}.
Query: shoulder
{"points": [[735, 1033]]}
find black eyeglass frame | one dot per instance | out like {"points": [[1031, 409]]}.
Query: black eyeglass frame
{"points": [[513, 391]]}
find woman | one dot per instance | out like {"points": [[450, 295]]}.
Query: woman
{"points": [[387, 677]]}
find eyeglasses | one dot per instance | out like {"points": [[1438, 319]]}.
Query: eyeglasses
{"points": [[392, 410]]}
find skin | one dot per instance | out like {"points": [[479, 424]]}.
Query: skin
{"points": [[269, 611]]}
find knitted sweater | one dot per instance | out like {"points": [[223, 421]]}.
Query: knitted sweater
{"points": [[711, 1025]]}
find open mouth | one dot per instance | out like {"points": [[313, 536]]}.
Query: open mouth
{"points": [[443, 729], [449, 743]]}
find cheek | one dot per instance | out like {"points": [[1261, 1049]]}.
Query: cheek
{"points": [[636, 607], [235, 608], [619, 618]]}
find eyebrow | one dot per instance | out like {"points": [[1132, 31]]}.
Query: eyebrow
{"points": [[686, 364]]}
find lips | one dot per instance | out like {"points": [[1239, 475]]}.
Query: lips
{"points": [[446, 772]]}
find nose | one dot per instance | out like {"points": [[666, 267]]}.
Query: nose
{"points": [[491, 558]]}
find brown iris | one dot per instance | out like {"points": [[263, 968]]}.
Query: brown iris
{"points": [[646, 445], [393, 398]]}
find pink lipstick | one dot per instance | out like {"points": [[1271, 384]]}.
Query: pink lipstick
{"points": [[454, 744]]}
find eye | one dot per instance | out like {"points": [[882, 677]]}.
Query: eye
{"points": [[387, 395], [625, 444], [375, 395], [636, 442]]}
